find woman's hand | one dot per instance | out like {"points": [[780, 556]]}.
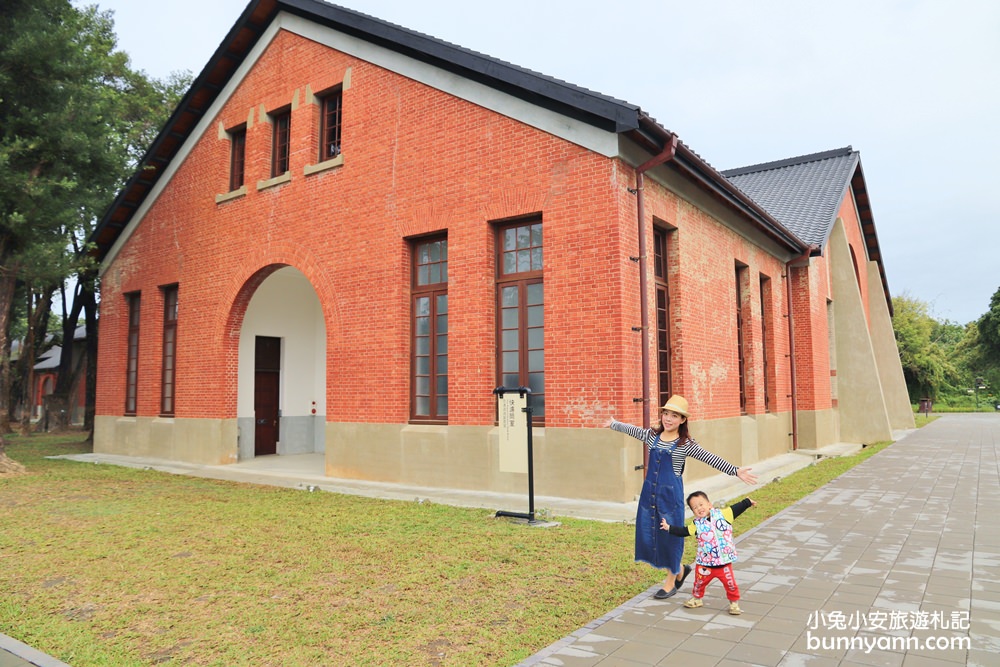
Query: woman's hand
{"points": [[608, 423], [753, 503], [664, 525], [746, 475]]}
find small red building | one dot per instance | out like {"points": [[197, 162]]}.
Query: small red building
{"points": [[47, 375], [348, 234]]}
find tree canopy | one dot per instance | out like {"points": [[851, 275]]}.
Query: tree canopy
{"points": [[945, 360], [989, 331]]}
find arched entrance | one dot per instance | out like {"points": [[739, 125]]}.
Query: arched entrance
{"points": [[281, 397]]}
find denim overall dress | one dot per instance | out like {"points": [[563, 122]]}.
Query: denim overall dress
{"points": [[662, 496]]}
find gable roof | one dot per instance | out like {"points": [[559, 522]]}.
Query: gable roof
{"points": [[805, 193], [584, 105]]}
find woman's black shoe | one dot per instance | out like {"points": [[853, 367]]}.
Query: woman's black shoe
{"points": [[663, 593]]}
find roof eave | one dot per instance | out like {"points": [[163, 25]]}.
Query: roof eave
{"points": [[863, 203], [572, 101], [192, 107]]}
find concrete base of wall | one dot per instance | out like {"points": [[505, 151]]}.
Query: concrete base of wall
{"points": [[202, 441], [742, 441], [587, 464], [818, 428], [592, 464], [297, 435]]}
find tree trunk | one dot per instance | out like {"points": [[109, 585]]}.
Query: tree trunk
{"points": [[8, 466], [38, 307], [57, 411], [59, 408], [8, 283], [89, 296]]}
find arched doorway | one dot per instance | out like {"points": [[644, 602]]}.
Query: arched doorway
{"points": [[281, 398]]}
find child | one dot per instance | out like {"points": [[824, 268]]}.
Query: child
{"points": [[716, 550]]}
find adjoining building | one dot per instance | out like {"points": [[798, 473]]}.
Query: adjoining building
{"points": [[348, 234]]}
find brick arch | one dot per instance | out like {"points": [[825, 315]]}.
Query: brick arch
{"points": [[247, 276]]}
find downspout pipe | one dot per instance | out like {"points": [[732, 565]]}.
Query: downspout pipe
{"points": [[798, 262], [666, 155]]}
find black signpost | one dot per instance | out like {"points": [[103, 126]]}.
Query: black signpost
{"points": [[508, 418]]}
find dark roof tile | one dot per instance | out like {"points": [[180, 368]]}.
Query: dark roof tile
{"points": [[802, 193]]}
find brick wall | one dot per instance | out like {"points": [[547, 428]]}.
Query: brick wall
{"points": [[418, 161]]}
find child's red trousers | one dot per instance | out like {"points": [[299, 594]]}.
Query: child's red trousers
{"points": [[703, 575]]}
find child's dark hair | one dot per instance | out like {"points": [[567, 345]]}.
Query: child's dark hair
{"points": [[697, 494]]}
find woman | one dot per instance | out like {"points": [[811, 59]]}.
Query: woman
{"points": [[662, 494]]}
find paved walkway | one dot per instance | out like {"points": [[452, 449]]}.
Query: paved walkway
{"points": [[15, 654], [896, 562], [881, 556]]}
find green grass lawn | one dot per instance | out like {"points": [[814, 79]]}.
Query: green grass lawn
{"points": [[105, 565]]}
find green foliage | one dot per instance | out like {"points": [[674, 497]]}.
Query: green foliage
{"points": [[75, 119], [944, 360], [923, 348], [989, 332], [55, 116]]}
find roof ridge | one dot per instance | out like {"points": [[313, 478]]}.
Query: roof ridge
{"points": [[333, 11], [787, 162]]}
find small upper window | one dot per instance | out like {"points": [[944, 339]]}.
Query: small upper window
{"points": [[281, 121], [329, 125]]}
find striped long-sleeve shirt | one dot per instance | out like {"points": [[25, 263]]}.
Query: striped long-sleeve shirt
{"points": [[692, 448]]}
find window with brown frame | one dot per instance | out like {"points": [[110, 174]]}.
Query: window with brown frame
{"points": [[766, 337], [429, 363], [134, 301], [741, 273], [521, 310], [281, 123], [168, 378], [661, 238], [237, 157], [329, 124]]}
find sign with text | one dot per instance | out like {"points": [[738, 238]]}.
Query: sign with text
{"points": [[513, 422]]}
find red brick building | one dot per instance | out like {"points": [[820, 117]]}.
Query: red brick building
{"points": [[348, 234]]}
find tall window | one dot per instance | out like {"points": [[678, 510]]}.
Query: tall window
{"points": [[329, 125], [767, 339], [167, 385], [237, 157], [741, 273], [132, 364], [281, 123], [520, 293], [660, 266], [429, 384]]}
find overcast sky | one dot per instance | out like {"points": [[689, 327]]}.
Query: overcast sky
{"points": [[911, 84]]}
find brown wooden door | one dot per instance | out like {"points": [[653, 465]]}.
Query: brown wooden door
{"points": [[267, 376]]}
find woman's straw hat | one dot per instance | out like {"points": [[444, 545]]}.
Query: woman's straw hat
{"points": [[676, 404]]}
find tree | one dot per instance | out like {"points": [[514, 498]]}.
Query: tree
{"points": [[142, 108], [73, 118], [989, 331], [926, 365]]}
